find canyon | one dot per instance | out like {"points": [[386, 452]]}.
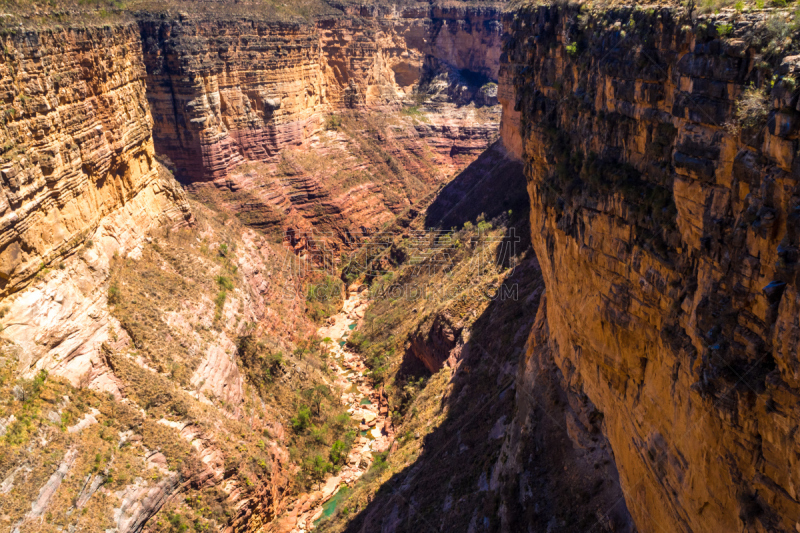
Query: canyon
{"points": [[398, 266]]}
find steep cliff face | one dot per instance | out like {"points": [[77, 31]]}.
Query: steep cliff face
{"points": [[124, 370], [76, 143], [467, 38], [224, 91], [664, 201]]}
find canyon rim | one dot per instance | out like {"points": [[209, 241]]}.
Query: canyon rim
{"points": [[399, 266]]}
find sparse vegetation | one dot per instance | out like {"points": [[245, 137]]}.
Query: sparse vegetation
{"points": [[724, 30], [322, 436], [324, 297], [572, 48], [113, 294], [224, 283], [752, 108], [302, 420], [333, 123], [412, 111]]}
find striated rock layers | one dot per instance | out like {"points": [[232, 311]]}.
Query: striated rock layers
{"points": [[348, 182], [92, 303], [665, 223], [226, 91], [76, 142]]}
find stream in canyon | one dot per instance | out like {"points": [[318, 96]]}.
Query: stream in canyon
{"points": [[365, 404]]}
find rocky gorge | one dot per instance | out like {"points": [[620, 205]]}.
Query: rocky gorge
{"points": [[399, 266]]}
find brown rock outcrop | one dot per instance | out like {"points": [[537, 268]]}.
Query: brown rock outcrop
{"points": [[436, 341], [665, 225]]}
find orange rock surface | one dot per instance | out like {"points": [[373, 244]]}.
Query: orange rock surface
{"points": [[665, 226], [76, 144]]}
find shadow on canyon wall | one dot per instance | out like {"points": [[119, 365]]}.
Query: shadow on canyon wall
{"points": [[492, 184], [515, 451]]}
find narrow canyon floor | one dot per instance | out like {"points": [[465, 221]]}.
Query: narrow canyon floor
{"points": [[365, 404]]}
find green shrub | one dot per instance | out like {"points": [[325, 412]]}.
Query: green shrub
{"points": [[219, 301], [18, 432], [333, 123], [113, 294], [315, 395], [318, 434], [261, 364], [224, 283], [379, 464], [176, 523], [317, 468], [342, 420], [778, 29], [358, 342], [412, 111], [724, 30], [338, 453], [324, 297], [752, 108], [302, 420], [32, 387], [572, 49]]}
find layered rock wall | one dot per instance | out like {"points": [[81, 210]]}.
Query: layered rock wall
{"points": [[222, 92], [467, 38], [75, 137], [665, 223], [227, 91]]}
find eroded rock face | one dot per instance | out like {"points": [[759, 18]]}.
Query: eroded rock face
{"points": [[348, 183], [436, 346], [467, 37], [223, 92], [76, 142], [668, 244], [61, 320]]}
